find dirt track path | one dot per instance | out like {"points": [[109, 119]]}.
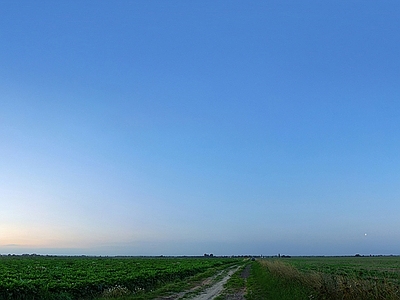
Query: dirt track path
{"points": [[214, 290]]}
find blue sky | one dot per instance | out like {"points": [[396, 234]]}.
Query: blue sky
{"points": [[191, 127]]}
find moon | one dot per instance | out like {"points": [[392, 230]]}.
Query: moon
{"points": [[365, 234]]}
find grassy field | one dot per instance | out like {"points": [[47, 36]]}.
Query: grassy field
{"points": [[55, 278], [325, 278], [39, 277]]}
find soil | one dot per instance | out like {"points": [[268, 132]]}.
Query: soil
{"points": [[215, 289], [239, 295], [246, 272]]}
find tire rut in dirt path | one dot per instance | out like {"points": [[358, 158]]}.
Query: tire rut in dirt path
{"points": [[216, 289], [246, 272], [239, 294]]}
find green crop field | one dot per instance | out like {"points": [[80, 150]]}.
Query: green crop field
{"points": [[325, 278], [39, 277], [384, 268]]}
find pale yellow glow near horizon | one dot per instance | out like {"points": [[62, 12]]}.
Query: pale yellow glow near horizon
{"points": [[22, 236], [47, 237], [12, 235]]}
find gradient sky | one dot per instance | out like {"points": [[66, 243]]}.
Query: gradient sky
{"points": [[191, 127]]}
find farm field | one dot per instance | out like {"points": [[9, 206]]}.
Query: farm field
{"points": [[325, 278], [365, 267], [40, 277]]}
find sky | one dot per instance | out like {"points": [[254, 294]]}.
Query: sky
{"points": [[192, 127]]}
